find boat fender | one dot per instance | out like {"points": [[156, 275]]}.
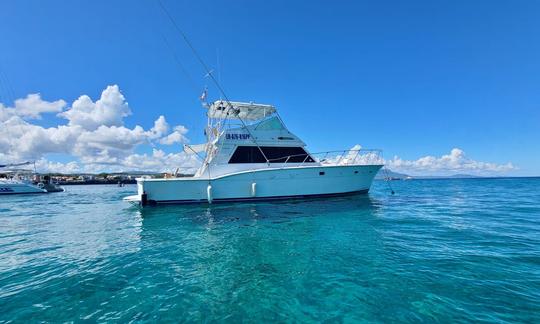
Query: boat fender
{"points": [[253, 189], [209, 193], [144, 199]]}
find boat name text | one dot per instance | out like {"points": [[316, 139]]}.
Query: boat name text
{"points": [[237, 136]]}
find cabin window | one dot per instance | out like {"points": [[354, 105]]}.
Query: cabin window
{"points": [[252, 154]]}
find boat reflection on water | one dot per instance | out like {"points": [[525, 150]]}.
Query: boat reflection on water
{"points": [[219, 231], [273, 211], [233, 257]]}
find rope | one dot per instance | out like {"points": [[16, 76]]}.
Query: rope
{"points": [[192, 82], [387, 180]]}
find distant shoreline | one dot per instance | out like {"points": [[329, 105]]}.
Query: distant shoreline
{"points": [[457, 178], [96, 182], [134, 181]]}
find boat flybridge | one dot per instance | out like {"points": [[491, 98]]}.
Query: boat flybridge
{"points": [[251, 155]]}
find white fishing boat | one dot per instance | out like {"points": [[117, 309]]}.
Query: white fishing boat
{"points": [[23, 181], [251, 155], [17, 186]]}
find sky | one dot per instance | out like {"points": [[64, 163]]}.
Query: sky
{"points": [[442, 87]]}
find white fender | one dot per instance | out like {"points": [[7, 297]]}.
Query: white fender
{"points": [[209, 193], [253, 189]]}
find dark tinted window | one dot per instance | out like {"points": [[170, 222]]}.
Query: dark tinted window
{"points": [[252, 154], [247, 154], [289, 154]]}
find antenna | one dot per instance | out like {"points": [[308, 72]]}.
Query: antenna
{"points": [[218, 64]]}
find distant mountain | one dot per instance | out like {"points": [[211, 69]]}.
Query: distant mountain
{"points": [[463, 176], [383, 174], [401, 176], [455, 176]]}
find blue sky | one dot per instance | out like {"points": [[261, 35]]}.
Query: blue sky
{"points": [[414, 78]]}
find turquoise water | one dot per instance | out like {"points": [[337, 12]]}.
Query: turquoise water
{"points": [[438, 250]]}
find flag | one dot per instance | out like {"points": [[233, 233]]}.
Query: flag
{"points": [[203, 95]]}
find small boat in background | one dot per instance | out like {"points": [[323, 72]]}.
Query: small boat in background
{"points": [[23, 181]]}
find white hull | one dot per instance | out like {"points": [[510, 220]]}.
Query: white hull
{"points": [[271, 183], [10, 188]]}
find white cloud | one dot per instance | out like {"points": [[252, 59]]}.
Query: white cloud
{"points": [[158, 161], [56, 167], [95, 135], [455, 162], [161, 127], [31, 107], [178, 136], [109, 110]]}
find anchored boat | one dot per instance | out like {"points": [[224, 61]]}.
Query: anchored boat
{"points": [[22, 181], [251, 155]]}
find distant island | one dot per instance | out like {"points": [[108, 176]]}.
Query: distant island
{"points": [[391, 175]]}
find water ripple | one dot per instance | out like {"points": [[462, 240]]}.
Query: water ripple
{"points": [[439, 250]]}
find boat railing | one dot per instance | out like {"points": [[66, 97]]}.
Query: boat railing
{"points": [[343, 157], [328, 158]]}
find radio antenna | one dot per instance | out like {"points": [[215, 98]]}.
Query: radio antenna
{"points": [[218, 63]]}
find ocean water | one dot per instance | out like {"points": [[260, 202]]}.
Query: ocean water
{"points": [[436, 251]]}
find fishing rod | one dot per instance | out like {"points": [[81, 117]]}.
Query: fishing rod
{"points": [[209, 73]]}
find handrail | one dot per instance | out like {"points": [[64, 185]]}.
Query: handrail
{"points": [[327, 152], [342, 157], [327, 158]]}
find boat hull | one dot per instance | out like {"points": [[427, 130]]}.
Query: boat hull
{"points": [[264, 184], [19, 188]]}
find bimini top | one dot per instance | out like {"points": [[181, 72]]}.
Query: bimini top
{"points": [[239, 110], [15, 164]]}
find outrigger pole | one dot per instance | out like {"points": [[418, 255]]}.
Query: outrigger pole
{"points": [[209, 73]]}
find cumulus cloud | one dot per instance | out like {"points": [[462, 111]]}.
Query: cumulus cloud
{"points": [[158, 161], [454, 162], [31, 107], [57, 167], [94, 135], [109, 110], [177, 136], [161, 127]]}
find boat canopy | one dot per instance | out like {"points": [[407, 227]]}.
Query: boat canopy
{"points": [[239, 110], [15, 164]]}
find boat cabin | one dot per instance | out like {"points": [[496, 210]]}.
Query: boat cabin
{"points": [[245, 136]]}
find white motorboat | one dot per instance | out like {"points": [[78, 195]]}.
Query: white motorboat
{"points": [[251, 155], [17, 186], [21, 181]]}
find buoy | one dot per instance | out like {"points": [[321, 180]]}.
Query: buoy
{"points": [[253, 189], [209, 193]]}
